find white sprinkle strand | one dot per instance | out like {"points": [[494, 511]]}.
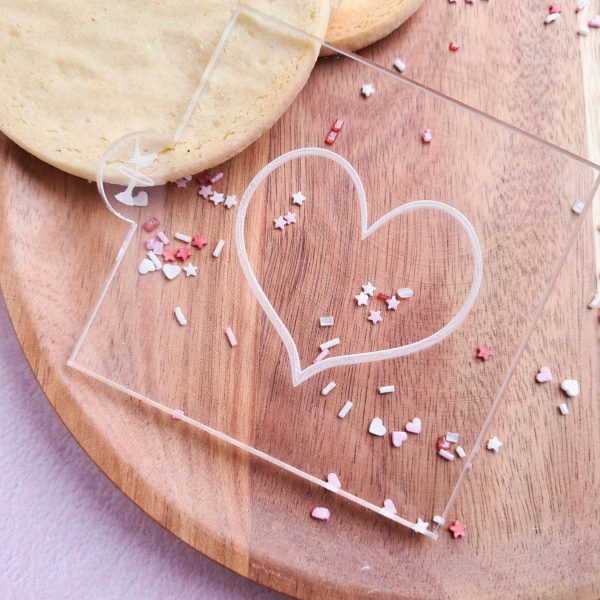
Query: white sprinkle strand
{"points": [[578, 207], [564, 409], [326, 321], [329, 344], [180, 316], [218, 248], [399, 65], [321, 356], [231, 337], [460, 451], [183, 238], [158, 248], [580, 6], [445, 454], [452, 437], [438, 520], [595, 302], [154, 259], [405, 293], [328, 388], [345, 410], [583, 31], [386, 389], [551, 18]]}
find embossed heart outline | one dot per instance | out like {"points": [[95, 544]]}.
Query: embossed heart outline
{"points": [[300, 375]]}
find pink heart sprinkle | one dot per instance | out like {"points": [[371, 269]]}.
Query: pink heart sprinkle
{"points": [[544, 375], [413, 426], [389, 506], [398, 437], [333, 481], [320, 513]]}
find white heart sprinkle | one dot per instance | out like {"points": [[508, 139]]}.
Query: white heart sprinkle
{"points": [[146, 266], [333, 481], [398, 437], [389, 506], [570, 387], [171, 271], [377, 427], [413, 426]]}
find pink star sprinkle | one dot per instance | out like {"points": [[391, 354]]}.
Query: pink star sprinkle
{"points": [[199, 241], [205, 191], [458, 529], [393, 303], [484, 352], [183, 253], [168, 254], [375, 316], [183, 181], [290, 218], [279, 222]]}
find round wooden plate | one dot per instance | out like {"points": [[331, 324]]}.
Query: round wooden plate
{"points": [[531, 511]]}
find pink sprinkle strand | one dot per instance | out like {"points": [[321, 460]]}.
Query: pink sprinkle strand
{"points": [[580, 6], [321, 356], [330, 138], [163, 238], [151, 224], [231, 337], [445, 454], [320, 513], [337, 125], [216, 178], [554, 9]]}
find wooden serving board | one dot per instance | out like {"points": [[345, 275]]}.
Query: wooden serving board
{"points": [[530, 511]]}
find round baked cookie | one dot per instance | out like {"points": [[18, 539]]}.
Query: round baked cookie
{"points": [[75, 75], [359, 23]]}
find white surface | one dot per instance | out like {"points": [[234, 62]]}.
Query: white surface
{"points": [[66, 531]]}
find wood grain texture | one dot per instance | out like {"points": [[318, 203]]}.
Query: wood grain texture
{"points": [[529, 511]]}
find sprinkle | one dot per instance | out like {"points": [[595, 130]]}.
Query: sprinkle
{"points": [[405, 293], [484, 352], [218, 248], [168, 254], [180, 316], [580, 6], [183, 253], [158, 248], [149, 244], [389, 506], [594, 22], [421, 526], [460, 451], [326, 321], [377, 427], [321, 356], [328, 388], [398, 438], [345, 410], [393, 303], [231, 337], [182, 181], [438, 520], [426, 136], [369, 289], [177, 414], [230, 201], [190, 270], [337, 125], [564, 409], [290, 218], [199, 242], [183, 238], [383, 296], [494, 444], [583, 31], [399, 65], [578, 207], [446, 454], [334, 481], [452, 1], [386, 389], [205, 191], [298, 198], [570, 387], [453, 47], [217, 198], [330, 138], [171, 271], [414, 426], [329, 344], [216, 177], [154, 260], [151, 224], [279, 222], [146, 266], [554, 9], [442, 443], [544, 375], [375, 317], [163, 238], [595, 301], [362, 299], [452, 437], [551, 18], [320, 513], [458, 529], [367, 90]]}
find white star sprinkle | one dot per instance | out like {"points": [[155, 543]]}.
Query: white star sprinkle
{"points": [[190, 270], [393, 303], [369, 289], [494, 444], [290, 218], [298, 198], [367, 90], [375, 316], [421, 526], [230, 201], [280, 222], [362, 299], [217, 198]]}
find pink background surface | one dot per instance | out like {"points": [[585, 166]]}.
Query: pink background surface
{"points": [[65, 530]]}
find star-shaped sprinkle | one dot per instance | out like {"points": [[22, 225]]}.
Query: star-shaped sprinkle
{"points": [[183, 181], [494, 444], [393, 303], [367, 90], [290, 218], [168, 254], [484, 352], [230, 201], [199, 241], [362, 299], [368, 289], [190, 270], [205, 191], [458, 529], [421, 526], [183, 253], [375, 316], [217, 198], [298, 198], [280, 222]]}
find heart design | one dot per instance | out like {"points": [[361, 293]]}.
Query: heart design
{"points": [[333, 481], [570, 387], [413, 426], [171, 271], [146, 266], [398, 437], [300, 375], [377, 427], [544, 375], [389, 506]]}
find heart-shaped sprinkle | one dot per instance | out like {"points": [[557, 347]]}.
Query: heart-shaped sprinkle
{"points": [[543, 375], [171, 271], [333, 481], [320, 513], [389, 506], [398, 437], [377, 427], [570, 387], [146, 266], [413, 426]]}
